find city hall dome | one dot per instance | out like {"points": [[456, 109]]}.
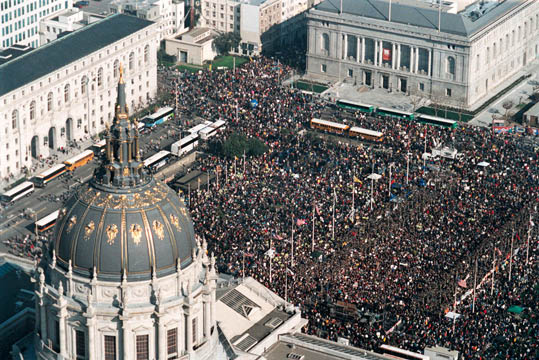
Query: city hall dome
{"points": [[123, 221]]}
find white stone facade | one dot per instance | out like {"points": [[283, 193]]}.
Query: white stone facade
{"points": [[75, 101], [169, 317], [19, 20]]}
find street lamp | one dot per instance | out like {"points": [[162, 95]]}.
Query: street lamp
{"points": [[407, 165]]}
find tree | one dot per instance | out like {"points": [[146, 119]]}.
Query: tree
{"points": [[225, 42], [236, 145], [507, 105]]}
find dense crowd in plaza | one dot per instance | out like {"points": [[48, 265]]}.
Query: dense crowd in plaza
{"points": [[405, 264]]}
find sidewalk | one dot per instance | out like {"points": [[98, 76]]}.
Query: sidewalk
{"points": [[38, 166]]}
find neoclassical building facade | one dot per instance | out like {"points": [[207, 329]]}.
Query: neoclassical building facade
{"points": [[64, 91], [456, 59]]}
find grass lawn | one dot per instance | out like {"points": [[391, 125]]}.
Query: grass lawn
{"points": [[227, 61], [303, 85], [190, 68]]}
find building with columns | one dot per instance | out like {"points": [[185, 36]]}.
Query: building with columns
{"points": [[64, 91], [457, 59]]}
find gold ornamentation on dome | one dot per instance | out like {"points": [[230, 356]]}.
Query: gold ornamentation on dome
{"points": [[126, 171], [183, 211], [175, 221], [72, 222], [136, 233], [159, 229], [63, 212], [88, 230], [112, 231]]}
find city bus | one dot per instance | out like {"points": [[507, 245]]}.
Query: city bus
{"points": [[196, 129], [329, 126], [366, 134], [79, 160], [396, 353], [157, 161], [99, 147], [159, 117], [437, 121], [52, 173], [355, 106], [24, 189], [184, 145], [47, 222], [212, 129], [395, 113]]}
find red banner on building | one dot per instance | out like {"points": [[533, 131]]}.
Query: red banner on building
{"points": [[386, 54]]}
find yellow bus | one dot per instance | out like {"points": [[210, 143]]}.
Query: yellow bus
{"points": [[79, 160]]}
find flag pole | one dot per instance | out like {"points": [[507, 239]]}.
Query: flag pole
{"points": [[474, 286], [312, 239], [511, 255], [243, 162], [271, 257], [353, 201], [493, 268], [528, 240], [292, 242], [286, 284], [217, 177], [333, 218], [389, 186], [243, 265], [189, 193]]}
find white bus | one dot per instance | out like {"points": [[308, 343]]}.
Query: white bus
{"points": [[23, 189], [48, 175], [157, 161], [184, 145], [47, 222], [212, 129], [196, 129], [397, 353]]}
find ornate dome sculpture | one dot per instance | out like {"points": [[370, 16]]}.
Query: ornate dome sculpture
{"points": [[123, 220]]}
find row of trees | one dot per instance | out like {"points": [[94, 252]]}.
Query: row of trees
{"points": [[236, 145]]}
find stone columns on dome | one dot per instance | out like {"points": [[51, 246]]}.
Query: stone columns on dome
{"points": [[62, 314], [126, 335], [188, 329], [162, 336], [207, 325], [90, 325]]}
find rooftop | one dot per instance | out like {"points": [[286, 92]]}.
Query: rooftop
{"points": [[533, 111], [13, 51], [406, 12], [59, 53]]}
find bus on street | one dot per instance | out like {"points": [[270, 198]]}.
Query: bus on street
{"points": [[46, 176], [47, 222], [79, 160], [24, 189]]}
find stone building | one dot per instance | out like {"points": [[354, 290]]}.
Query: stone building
{"points": [[63, 91], [458, 59]]}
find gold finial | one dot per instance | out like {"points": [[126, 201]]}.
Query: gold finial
{"points": [[121, 81]]}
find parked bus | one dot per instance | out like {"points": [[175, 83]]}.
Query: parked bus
{"points": [[366, 134], [329, 126], [47, 222], [24, 189], [355, 106], [437, 121], [212, 129], [52, 173], [159, 117], [196, 129], [79, 160], [157, 161], [185, 145], [99, 147], [396, 353], [395, 113]]}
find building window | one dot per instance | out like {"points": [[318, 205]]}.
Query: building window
{"points": [[421, 86], [350, 72], [194, 326], [116, 68], [49, 101], [450, 66], [83, 85], [81, 343], [325, 42], [142, 347], [66, 93], [131, 61], [110, 347], [32, 110], [100, 77], [324, 68], [172, 341], [448, 92], [14, 119], [146, 54]]}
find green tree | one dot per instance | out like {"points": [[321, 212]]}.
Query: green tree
{"points": [[225, 42], [236, 145]]}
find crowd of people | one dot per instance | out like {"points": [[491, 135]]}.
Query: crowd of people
{"points": [[403, 257]]}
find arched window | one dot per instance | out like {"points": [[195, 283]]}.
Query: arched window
{"points": [[325, 42], [32, 110], [146, 54], [116, 69], [494, 50], [519, 34], [66, 93], [49, 101], [14, 119], [506, 41], [513, 38], [478, 64], [488, 55], [525, 29], [451, 65], [84, 85], [501, 45], [131, 61], [100, 77]]}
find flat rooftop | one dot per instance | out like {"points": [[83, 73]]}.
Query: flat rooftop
{"points": [[409, 13], [65, 50]]}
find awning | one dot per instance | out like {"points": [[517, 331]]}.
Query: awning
{"points": [[515, 309]]}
